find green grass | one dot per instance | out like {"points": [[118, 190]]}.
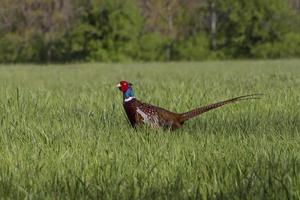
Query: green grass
{"points": [[63, 132]]}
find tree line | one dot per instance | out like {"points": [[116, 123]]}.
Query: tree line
{"points": [[147, 30]]}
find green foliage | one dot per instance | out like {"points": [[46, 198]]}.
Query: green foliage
{"points": [[244, 24], [194, 48], [15, 47], [142, 30], [64, 135], [288, 47], [152, 47], [110, 30]]}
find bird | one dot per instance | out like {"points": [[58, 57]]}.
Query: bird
{"points": [[143, 113]]}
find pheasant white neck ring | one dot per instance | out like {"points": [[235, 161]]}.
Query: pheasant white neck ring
{"points": [[129, 99], [128, 95]]}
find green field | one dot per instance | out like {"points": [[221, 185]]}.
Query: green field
{"points": [[64, 135]]}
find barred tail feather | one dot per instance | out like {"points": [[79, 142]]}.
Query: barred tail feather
{"points": [[197, 111]]}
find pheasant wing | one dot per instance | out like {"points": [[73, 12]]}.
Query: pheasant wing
{"points": [[156, 116]]}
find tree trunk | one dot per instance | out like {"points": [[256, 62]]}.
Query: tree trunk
{"points": [[213, 25], [170, 30]]}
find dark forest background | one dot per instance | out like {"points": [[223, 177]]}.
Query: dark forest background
{"points": [[147, 30]]}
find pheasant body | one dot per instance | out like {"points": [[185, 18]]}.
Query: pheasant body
{"points": [[143, 113]]}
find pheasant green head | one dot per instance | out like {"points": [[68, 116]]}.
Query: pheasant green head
{"points": [[126, 88]]}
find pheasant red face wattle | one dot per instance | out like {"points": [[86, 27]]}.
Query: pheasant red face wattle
{"points": [[123, 86]]}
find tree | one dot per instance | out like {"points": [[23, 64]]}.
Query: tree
{"points": [[244, 24], [120, 30], [107, 30], [34, 28], [164, 18]]}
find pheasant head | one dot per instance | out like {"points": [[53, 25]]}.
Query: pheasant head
{"points": [[126, 88]]}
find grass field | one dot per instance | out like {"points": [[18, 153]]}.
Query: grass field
{"points": [[64, 135]]}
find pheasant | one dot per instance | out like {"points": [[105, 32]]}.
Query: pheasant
{"points": [[143, 113]]}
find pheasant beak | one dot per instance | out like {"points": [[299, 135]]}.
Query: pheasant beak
{"points": [[118, 85]]}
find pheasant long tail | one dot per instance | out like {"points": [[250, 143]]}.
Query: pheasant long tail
{"points": [[198, 111]]}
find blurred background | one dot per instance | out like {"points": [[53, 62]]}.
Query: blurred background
{"points": [[49, 31]]}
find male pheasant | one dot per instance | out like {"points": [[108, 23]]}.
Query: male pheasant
{"points": [[142, 113]]}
